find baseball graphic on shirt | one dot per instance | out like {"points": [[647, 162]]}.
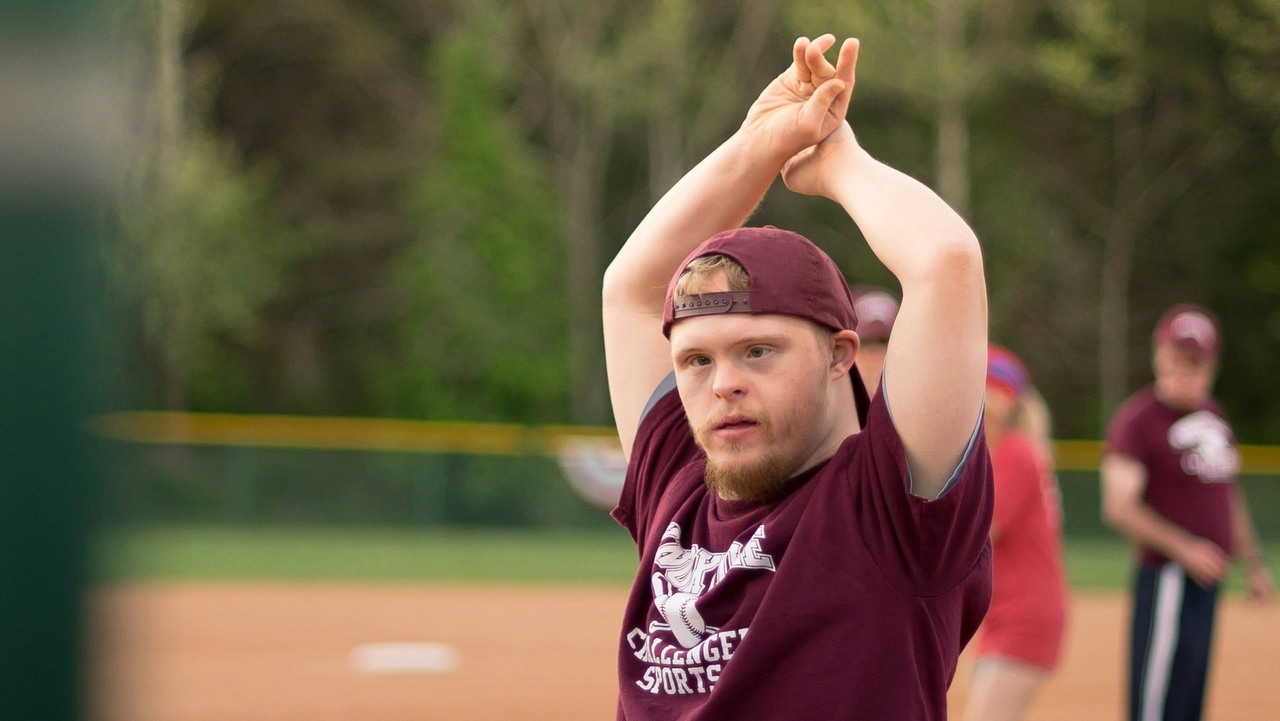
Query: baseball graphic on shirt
{"points": [[1205, 442], [681, 612], [684, 574]]}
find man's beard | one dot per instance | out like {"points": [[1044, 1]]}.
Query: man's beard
{"points": [[765, 480], [757, 483]]}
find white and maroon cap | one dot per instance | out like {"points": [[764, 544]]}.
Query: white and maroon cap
{"points": [[876, 309], [1191, 328]]}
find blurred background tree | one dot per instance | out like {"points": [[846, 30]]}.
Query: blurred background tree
{"points": [[411, 203], [485, 333]]}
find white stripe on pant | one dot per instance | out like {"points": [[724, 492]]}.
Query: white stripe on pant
{"points": [[1164, 640]]}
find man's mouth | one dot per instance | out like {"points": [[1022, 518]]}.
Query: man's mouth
{"points": [[735, 425]]}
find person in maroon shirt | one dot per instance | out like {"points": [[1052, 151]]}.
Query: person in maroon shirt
{"points": [[876, 311], [1168, 478], [805, 552]]}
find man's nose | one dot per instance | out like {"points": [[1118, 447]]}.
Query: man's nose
{"points": [[729, 382]]}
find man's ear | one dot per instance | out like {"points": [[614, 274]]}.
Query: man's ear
{"points": [[844, 349]]}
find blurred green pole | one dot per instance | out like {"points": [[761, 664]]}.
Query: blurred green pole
{"points": [[48, 205]]}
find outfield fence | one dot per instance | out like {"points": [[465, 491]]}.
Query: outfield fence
{"points": [[212, 467]]}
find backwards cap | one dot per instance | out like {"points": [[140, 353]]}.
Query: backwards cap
{"points": [[876, 309], [1190, 328], [789, 276]]}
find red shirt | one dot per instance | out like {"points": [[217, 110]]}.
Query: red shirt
{"points": [[1191, 461], [1030, 591], [847, 598]]}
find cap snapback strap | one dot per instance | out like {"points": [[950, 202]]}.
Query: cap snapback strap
{"points": [[735, 301]]}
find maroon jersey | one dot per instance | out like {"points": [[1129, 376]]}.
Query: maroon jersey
{"points": [[847, 598], [1191, 461]]}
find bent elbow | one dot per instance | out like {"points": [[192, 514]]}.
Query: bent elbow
{"points": [[1115, 515], [613, 287], [956, 260], [961, 255]]}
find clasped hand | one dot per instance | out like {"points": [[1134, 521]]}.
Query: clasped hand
{"points": [[798, 121]]}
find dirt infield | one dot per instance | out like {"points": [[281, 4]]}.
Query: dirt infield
{"points": [[282, 653]]}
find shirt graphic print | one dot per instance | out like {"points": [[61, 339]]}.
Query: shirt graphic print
{"points": [[1205, 442], [685, 654]]}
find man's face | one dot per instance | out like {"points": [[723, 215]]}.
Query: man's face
{"points": [[1183, 380], [757, 393]]}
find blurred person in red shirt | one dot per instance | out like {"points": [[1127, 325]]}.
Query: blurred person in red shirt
{"points": [[1020, 641]]}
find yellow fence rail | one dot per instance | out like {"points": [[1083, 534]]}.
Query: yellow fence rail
{"points": [[501, 439], [333, 433]]}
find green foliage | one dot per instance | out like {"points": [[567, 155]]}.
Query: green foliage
{"points": [[1252, 62], [415, 152], [486, 336], [198, 257], [1096, 61]]}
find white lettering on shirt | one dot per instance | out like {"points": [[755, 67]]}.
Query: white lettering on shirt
{"points": [[1204, 440]]}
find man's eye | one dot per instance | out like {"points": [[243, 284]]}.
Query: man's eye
{"points": [[700, 360], [757, 352]]}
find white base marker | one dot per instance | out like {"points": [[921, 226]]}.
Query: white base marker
{"points": [[404, 658]]}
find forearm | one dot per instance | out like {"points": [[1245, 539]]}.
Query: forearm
{"points": [[936, 361], [917, 236], [1243, 536], [717, 195], [1144, 526]]}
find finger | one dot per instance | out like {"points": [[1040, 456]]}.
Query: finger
{"points": [[847, 61], [846, 64], [819, 68], [816, 107], [798, 57]]}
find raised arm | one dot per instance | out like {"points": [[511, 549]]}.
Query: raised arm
{"points": [[935, 366], [797, 110]]}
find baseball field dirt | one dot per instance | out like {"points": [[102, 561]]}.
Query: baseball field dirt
{"points": [[261, 652]]}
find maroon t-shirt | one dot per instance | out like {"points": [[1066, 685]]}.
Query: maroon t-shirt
{"points": [[1191, 460], [848, 598]]}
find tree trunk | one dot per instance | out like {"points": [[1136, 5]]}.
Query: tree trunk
{"points": [[1113, 319], [951, 149], [952, 152], [169, 94], [581, 178], [666, 153]]}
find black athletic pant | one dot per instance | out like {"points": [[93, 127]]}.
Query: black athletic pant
{"points": [[1172, 636]]}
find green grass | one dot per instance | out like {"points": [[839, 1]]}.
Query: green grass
{"points": [[604, 556], [324, 553]]}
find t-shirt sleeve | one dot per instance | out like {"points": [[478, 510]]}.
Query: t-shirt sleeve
{"points": [[922, 547], [664, 444], [1125, 433], [1016, 476]]}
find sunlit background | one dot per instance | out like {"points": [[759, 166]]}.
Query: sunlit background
{"points": [[328, 275]]}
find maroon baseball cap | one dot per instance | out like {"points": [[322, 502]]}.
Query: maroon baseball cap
{"points": [[1191, 328], [789, 276], [876, 309]]}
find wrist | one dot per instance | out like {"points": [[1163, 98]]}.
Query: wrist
{"points": [[757, 154], [846, 171]]}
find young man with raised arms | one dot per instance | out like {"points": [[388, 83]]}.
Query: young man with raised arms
{"points": [[805, 552]]}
